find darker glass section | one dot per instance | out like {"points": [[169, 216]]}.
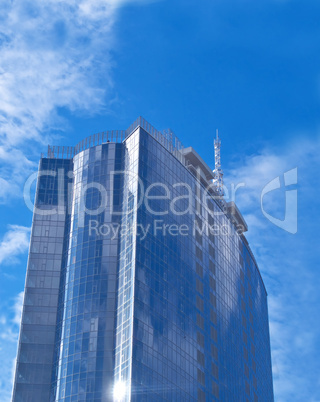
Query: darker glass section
{"points": [[48, 240]]}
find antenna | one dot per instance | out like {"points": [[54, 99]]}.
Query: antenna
{"points": [[218, 173]]}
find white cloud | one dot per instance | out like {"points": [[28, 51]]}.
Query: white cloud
{"points": [[9, 333], [14, 168], [53, 54], [51, 57], [14, 242], [17, 308], [288, 262], [256, 171]]}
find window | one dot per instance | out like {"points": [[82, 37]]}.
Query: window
{"points": [[200, 321], [198, 223], [215, 389], [245, 353], [199, 253], [251, 317], [214, 334], [212, 267], [212, 236], [201, 377], [198, 238], [211, 251], [212, 283], [254, 380], [200, 339], [245, 337], [200, 303], [201, 395], [199, 286], [213, 317], [198, 206], [214, 352], [200, 357], [247, 388], [254, 368], [248, 271], [215, 370], [199, 270], [213, 300]]}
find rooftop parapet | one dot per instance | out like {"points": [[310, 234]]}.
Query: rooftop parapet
{"points": [[187, 156], [166, 138], [195, 160], [236, 217]]}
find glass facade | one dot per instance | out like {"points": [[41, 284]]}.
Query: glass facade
{"points": [[140, 287]]}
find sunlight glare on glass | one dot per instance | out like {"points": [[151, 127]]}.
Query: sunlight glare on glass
{"points": [[119, 391]]}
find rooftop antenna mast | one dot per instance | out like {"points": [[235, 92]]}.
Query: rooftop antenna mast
{"points": [[218, 173]]}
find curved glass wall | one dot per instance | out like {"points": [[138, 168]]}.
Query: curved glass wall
{"points": [[200, 310], [84, 358]]}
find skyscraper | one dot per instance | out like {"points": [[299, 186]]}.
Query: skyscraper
{"points": [[140, 285]]}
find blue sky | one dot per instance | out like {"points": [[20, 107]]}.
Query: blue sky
{"points": [[251, 69]]}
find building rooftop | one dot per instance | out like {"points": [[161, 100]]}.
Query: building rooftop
{"points": [[187, 156], [166, 138], [197, 162], [236, 217]]}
